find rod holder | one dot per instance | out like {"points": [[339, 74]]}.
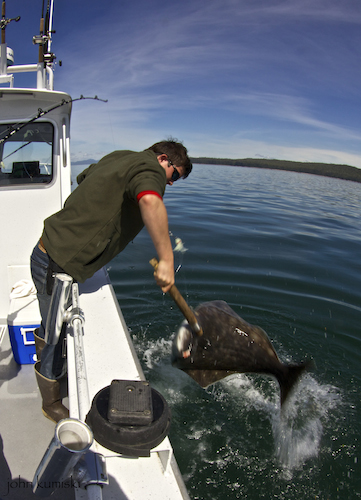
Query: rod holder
{"points": [[91, 470], [58, 304], [72, 438]]}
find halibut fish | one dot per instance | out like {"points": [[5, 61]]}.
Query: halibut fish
{"points": [[229, 345]]}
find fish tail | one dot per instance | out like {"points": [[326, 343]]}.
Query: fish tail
{"points": [[290, 376]]}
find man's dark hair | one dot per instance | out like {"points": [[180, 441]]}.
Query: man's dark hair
{"points": [[176, 152]]}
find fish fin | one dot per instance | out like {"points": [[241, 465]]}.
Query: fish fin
{"points": [[290, 377]]}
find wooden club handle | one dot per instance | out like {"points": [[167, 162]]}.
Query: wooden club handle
{"points": [[182, 304]]}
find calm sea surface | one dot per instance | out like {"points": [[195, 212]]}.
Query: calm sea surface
{"points": [[283, 250]]}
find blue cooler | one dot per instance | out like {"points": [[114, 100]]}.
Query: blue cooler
{"points": [[23, 319]]}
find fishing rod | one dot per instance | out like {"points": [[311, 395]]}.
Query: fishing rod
{"points": [[44, 38], [41, 36], [15, 129], [4, 22]]}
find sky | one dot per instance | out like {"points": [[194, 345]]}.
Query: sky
{"points": [[229, 78]]}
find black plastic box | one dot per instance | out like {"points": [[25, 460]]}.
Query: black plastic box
{"points": [[130, 403]]}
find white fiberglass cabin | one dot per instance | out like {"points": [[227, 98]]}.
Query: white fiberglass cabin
{"points": [[34, 183]]}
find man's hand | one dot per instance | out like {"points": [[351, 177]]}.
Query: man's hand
{"points": [[164, 276]]}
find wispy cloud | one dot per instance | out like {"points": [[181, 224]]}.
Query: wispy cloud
{"points": [[296, 110], [219, 69]]}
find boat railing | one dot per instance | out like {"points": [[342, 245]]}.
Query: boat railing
{"points": [[44, 79], [77, 321]]}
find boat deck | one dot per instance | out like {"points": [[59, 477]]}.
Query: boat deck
{"points": [[21, 424]]}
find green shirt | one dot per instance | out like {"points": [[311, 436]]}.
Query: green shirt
{"points": [[102, 215]]}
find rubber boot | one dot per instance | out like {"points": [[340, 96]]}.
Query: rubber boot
{"points": [[53, 408], [39, 344]]}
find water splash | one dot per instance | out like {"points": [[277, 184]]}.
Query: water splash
{"points": [[179, 246], [155, 351], [298, 429], [179, 251], [151, 351]]}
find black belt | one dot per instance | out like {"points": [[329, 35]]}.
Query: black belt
{"points": [[53, 269]]}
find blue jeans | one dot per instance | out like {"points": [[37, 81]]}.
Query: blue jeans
{"points": [[53, 365]]}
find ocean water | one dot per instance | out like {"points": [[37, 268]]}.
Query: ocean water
{"points": [[283, 250]]}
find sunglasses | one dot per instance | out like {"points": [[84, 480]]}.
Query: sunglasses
{"points": [[175, 174]]}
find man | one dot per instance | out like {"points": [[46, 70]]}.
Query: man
{"points": [[114, 200]]}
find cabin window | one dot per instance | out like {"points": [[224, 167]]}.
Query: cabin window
{"points": [[26, 157]]}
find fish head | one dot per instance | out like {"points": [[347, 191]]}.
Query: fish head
{"points": [[184, 341]]}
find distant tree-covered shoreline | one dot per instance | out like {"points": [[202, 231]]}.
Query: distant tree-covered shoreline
{"points": [[345, 172]]}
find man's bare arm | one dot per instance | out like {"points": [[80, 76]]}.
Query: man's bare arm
{"points": [[155, 218]]}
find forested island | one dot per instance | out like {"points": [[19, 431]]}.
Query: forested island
{"points": [[345, 172]]}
